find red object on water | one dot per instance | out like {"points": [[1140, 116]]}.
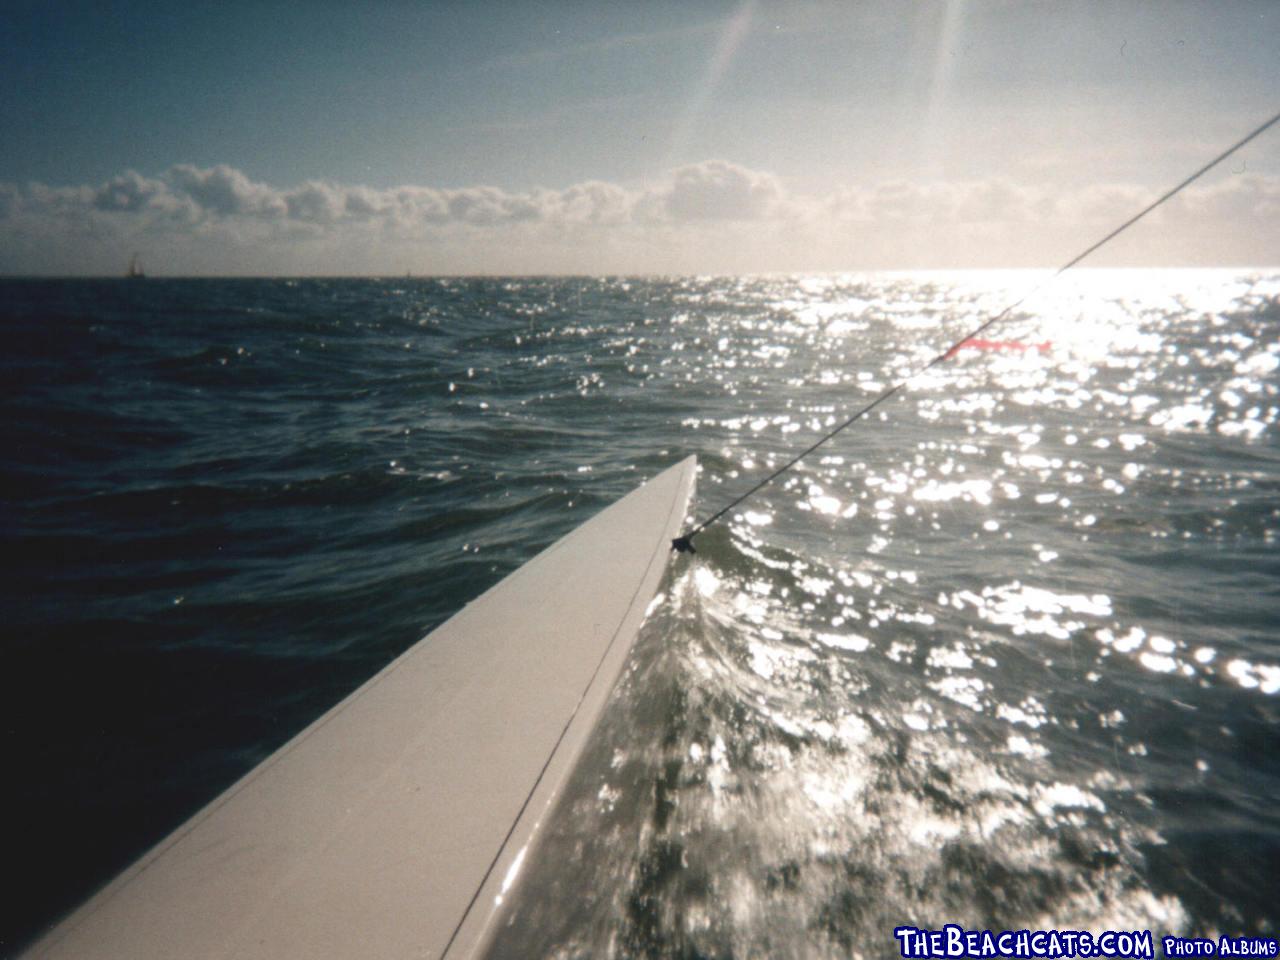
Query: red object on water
{"points": [[1014, 345]]}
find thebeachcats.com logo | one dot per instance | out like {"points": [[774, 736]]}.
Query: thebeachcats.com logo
{"points": [[954, 941]]}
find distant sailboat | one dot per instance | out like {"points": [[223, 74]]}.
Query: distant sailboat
{"points": [[135, 269]]}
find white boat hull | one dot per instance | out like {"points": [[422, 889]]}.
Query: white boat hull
{"points": [[392, 826]]}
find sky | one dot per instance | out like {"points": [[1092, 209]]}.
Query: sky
{"points": [[384, 138]]}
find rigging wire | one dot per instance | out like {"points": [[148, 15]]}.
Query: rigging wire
{"points": [[684, 543]]}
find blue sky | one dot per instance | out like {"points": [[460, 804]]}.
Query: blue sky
{"points": [[584, 137]]}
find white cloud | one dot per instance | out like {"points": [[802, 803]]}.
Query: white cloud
{"points": [[225, 191], [712, 216], [590, 202], [316, 203], [133, 193], [996, 200], [1241, 199], [1107, 203], [719, 190]]}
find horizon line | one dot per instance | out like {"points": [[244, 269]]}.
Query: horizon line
{"points": [[643, 275]]}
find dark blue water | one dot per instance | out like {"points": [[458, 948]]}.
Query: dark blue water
{"points": [[1005, 654]]}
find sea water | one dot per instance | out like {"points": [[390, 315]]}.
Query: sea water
{"points": [[1003, 654]]}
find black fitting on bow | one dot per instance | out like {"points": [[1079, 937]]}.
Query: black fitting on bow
{"points": [[683, 545]]}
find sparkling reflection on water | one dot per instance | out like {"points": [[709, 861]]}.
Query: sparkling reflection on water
{"points": [[1005, 655]]}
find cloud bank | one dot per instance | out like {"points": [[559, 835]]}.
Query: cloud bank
{"points": [[715, 216]]}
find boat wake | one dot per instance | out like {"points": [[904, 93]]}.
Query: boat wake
{"points": [[758, 788]]}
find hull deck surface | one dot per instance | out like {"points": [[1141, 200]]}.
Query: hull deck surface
{"points": [[393, 825]]}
